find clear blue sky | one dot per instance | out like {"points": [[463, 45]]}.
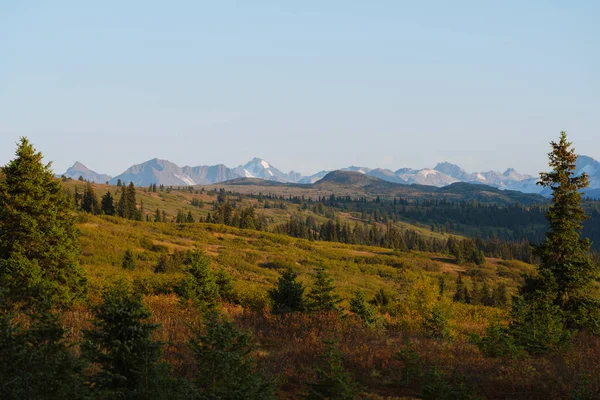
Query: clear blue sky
{"points": [[307, 85]]}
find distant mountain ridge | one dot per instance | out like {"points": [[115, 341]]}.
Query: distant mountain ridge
{"points": [[359, 183], [80, 170], [163, 172]]}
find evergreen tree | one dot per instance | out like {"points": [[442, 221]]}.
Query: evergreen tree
{"points": [[157, 217], [90, 202], [121, 205], [332, 381], [437, 325], [128, 260], [321, 296], [501, 295], [487, 298], [476, 294], [37, 362], [477, 257], [538, 324], [131, 203], [39, 247], [226, 369], [438, 386], [462, 293], [360, 307], [199, 284], [127, 206], [189, 218], [288, 296], [162, 265], [108, 204], [121, 344], [564, 255], [225, 284]]}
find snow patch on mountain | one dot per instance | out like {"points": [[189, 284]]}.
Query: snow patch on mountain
{"points": [[186, 179]]}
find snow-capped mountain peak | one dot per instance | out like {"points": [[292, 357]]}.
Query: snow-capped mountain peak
{"points": [[453, 170], [261, 169], [165, 172]]}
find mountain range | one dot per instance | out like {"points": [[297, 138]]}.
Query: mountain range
{"points": [[163, 172]]}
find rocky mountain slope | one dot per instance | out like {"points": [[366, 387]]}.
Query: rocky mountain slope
{"points": [[80, 170]]}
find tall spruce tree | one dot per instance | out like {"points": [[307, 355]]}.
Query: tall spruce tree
{"points": [[121, 206], [131, 203], [90, 202], [108, 204], [39, 246], [564, 255], [561, 297], [199, 284], [127, 206], [190, 218], [321, 296], [226, 368], [462, 294], [121, 345], [332, 380], [128, 260], [288, 296], [37, 360], [360, 307]]}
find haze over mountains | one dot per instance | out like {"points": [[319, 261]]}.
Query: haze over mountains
{"points": [[163, 172]]}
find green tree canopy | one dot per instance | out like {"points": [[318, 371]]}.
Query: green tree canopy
{"points": [[199, 284], [360, 307], [321, 296], [39, 243], [127, 205], [561, 297], [108, 204], [37, 361], [332, 380], [564, 254], [121, 344], [288, 296], [226, 369], [128, 260], [90, 201]]}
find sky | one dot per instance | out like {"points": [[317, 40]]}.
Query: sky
{"points": [[306, 85]]}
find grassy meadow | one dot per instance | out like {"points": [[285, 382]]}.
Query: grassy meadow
{"points": [[389, 360]]}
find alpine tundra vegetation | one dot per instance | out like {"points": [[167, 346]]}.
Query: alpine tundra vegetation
{"points": [[270, 294]]}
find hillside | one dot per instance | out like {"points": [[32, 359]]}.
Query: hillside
{"points": [[254, 260], [349, 183], [407, 289]]}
